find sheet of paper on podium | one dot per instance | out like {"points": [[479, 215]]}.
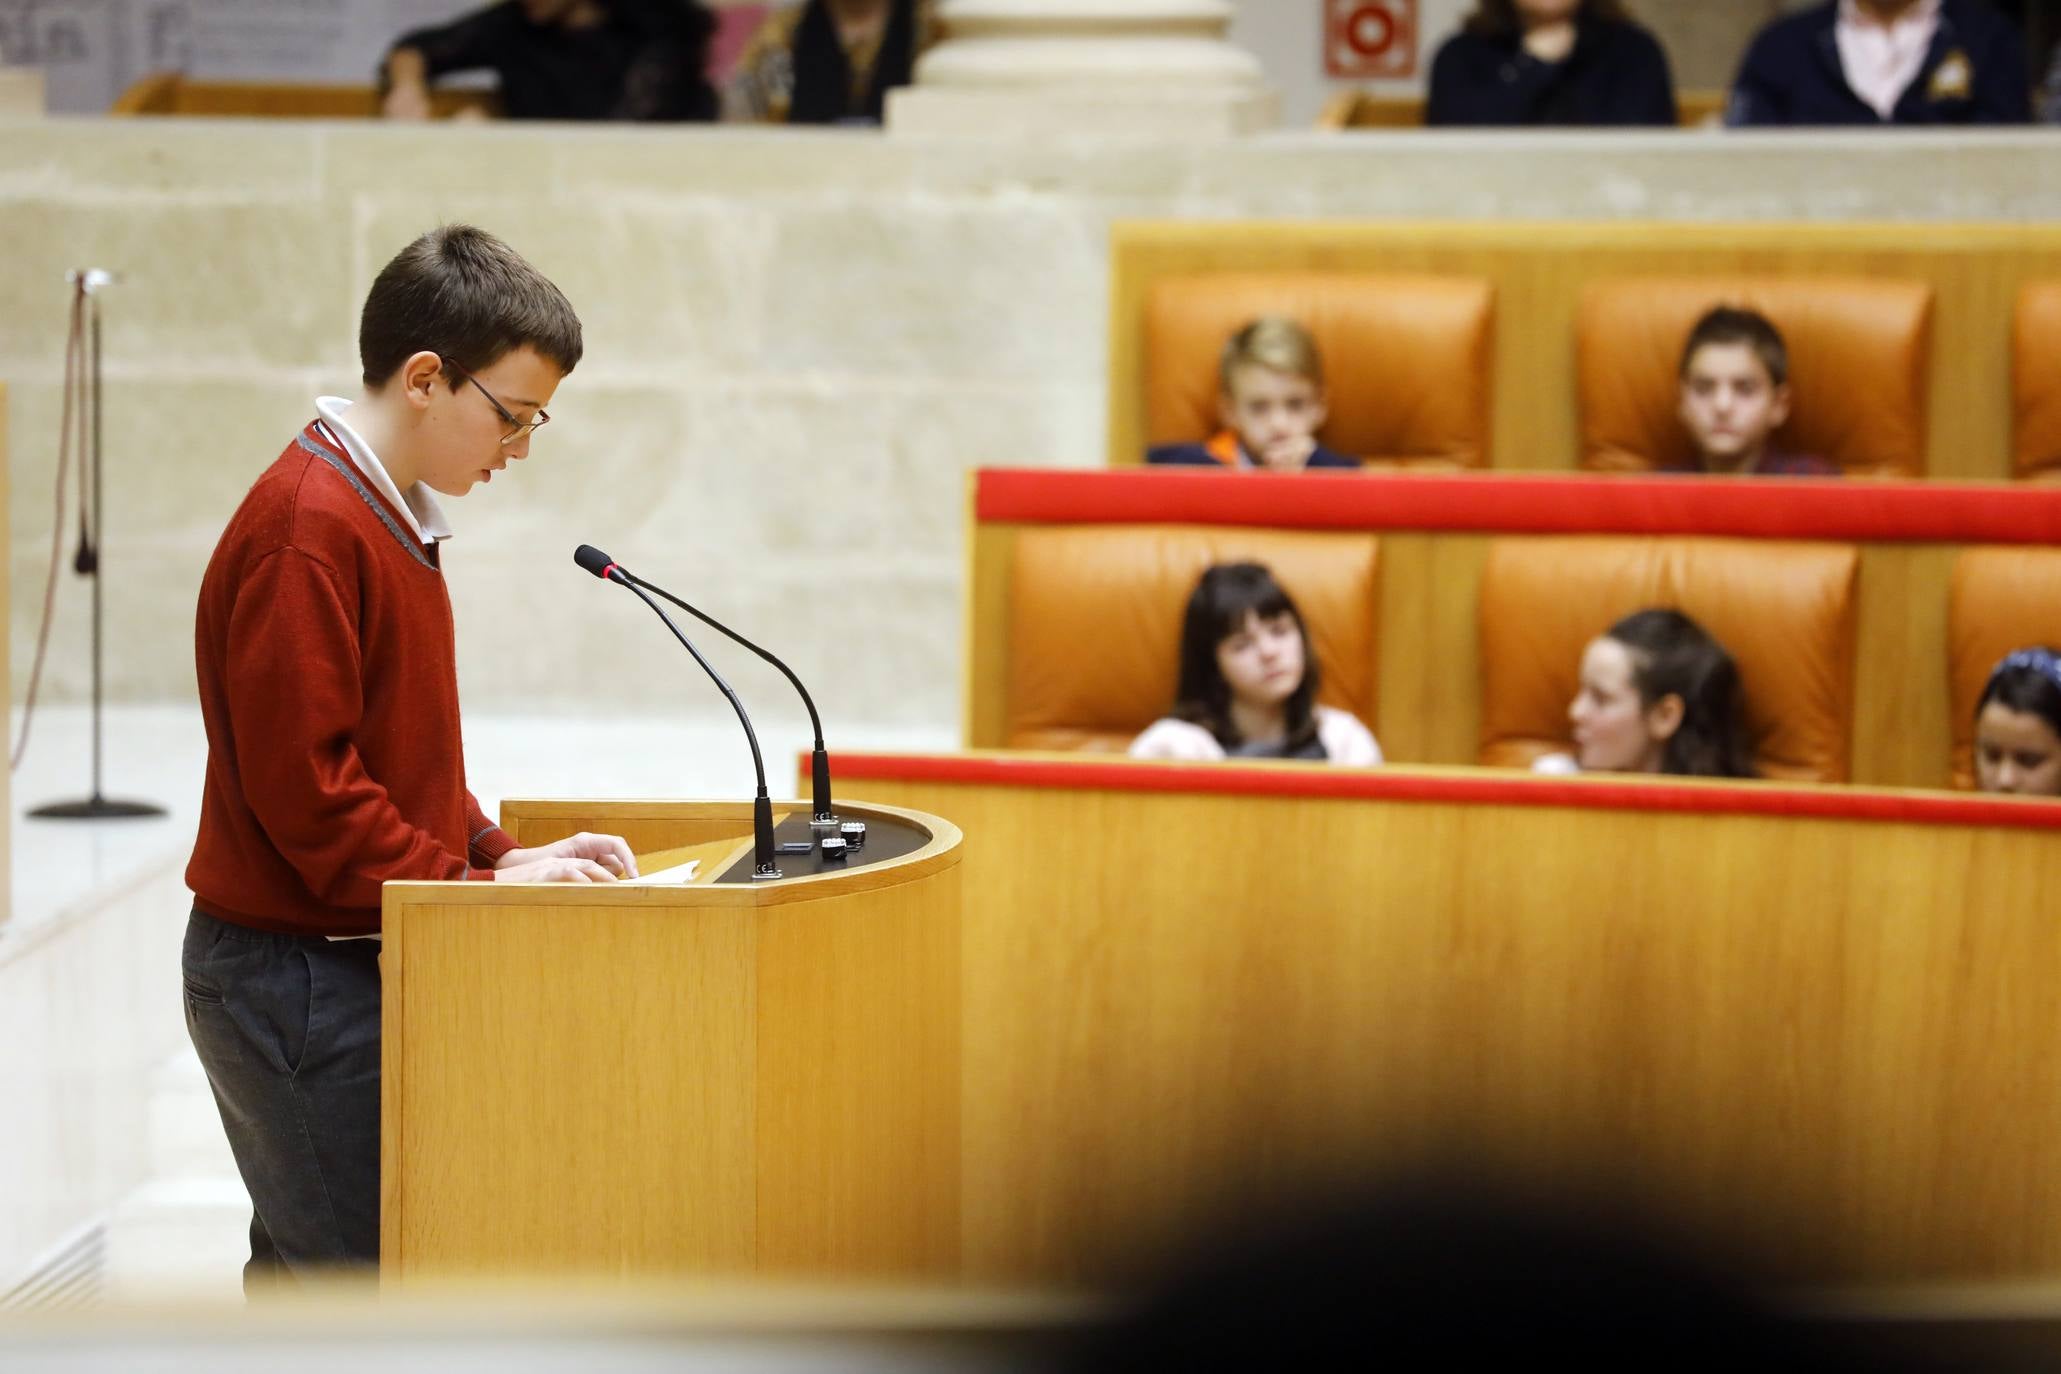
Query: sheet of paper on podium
{"points": [[677, 875]]}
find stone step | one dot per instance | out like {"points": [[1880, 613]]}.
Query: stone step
{"points": [[186, 1139], [182, 1237], [185, 1231]]}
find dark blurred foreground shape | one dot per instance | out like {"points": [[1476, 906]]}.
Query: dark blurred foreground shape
{"points": [[1454, 1274]]}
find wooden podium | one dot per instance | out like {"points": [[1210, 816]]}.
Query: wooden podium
{"points": [[723, 1077]]}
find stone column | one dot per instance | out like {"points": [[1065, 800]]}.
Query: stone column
{"points": [[21, 92], [1036, 68]]}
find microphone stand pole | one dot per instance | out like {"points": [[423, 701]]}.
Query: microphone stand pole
{"points": [[96, 807]]}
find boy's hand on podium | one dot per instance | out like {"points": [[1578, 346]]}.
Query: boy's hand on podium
{"points": [[581, 858], [553, 871]]}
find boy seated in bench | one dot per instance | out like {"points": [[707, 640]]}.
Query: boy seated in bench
{"points": [[1735, 395], [1270, 399]]}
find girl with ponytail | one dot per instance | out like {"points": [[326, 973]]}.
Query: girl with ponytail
{"points": [[1658, 695]]}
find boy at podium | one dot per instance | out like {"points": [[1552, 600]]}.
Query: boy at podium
{"points": [[329, 689]]}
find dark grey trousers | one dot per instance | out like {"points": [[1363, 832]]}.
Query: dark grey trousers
{"points": [[287, 1028]]}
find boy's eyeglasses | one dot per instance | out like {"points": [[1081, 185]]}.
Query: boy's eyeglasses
{"points": [[519, 427]]}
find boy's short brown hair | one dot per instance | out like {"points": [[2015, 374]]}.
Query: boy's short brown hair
{"points": [[467, 297], [1728, 324], [1272, 341]]}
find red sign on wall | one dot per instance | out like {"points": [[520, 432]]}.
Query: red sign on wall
{"points": [[1370, 38]]}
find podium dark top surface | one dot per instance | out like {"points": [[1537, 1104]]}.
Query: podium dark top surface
{"points": [[887, 838]]}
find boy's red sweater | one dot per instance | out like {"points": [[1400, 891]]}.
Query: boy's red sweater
{"points": [[329, 685]]}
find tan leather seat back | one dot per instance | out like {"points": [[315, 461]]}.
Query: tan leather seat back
{"points": [[1858, 357], [2036, 381], [1095, 622], [1406, 358], [1999, 599], [1784, 610]]}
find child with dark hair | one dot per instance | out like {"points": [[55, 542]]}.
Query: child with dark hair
{"points": [[2018, 726], [329, 691], [1248, 683], [1550, 62], [1735, 395], [1658, 695], [1270, 400]]}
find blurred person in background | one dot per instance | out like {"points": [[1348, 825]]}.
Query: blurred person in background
{"points": [[2018, 726], [1734, 380], [1248, 681], [1551, 62], [565, 59], [829, 61], [1658, 694], [1884, 62], [1270, 403]]}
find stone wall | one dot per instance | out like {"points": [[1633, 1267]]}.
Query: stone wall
{"points": [[1704, 42], [798, 344]]}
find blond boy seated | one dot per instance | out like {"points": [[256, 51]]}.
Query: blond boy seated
{"points": [[1270, 401]]}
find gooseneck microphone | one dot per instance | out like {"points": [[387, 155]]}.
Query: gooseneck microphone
{"points": [[819, 766], [603, 567]]}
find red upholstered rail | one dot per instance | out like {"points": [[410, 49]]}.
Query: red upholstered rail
{"points": [[1466, 787], [1513, 503]]}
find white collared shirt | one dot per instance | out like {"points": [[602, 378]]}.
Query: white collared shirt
{"points": [[418, 506], [1882, 60]]}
